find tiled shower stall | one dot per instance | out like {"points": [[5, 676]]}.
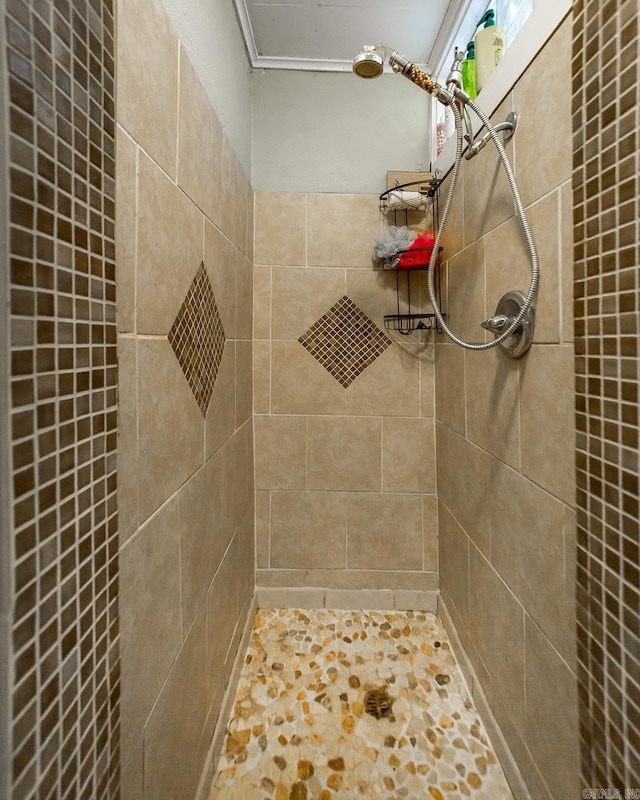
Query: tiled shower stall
{"points": [[392, 473]]}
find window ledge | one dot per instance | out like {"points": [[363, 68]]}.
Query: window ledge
{"points": [[537, 30]]}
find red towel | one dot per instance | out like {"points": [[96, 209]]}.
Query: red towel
{"points": [[419, 253]]}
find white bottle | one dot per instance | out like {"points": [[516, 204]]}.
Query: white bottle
{"points": [[489, 48]]}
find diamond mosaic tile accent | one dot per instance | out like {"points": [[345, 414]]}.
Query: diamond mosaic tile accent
{"points": [[345, 341], [197, 338]]}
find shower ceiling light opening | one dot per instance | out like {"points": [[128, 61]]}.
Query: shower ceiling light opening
{"points": [[323, 36]]}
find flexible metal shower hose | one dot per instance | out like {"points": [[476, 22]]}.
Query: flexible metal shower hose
{"points": [[535, 271]]}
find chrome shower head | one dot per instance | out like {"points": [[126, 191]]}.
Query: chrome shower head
{"points": [[369, 63]]}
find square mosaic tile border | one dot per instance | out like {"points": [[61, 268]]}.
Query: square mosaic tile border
{"points": [[65, 694], [607, 327]]}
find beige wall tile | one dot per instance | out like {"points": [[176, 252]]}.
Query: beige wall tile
{"points": [[341, 229], [450, 382], [235, 190], [568, 647], [300, 384], [220, 422], [170, 426], [471, 473], [384, 531], [428, 381], [544, 218], [261, 377], [244, 298], [263, 526], [509, 265], [244, 382], [308, 530], [132, 770], [147, 78], [237, 461], [199, 144], [466, 293], [454, 560], [547, 421], [203, 538], [430, 532], [169, 249], [566, 251], [442, 463], [245, 563], [528, 772], [216, 490], [463, 646], [544, 141], [281, 452], [261, 302], [300, 296], [281, 228], [126, 186], [150, 616], [527, 542], [497, 621], [408, 455], [220, 258], [375, 292], [487, 195], [390, 386], [222, 616], [250, 223], [127, 437], [173, 751], [492, 387], [344, 453], [551, 715]]}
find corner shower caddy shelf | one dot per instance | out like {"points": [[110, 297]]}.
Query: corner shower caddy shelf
{"points": [[406, 324]]}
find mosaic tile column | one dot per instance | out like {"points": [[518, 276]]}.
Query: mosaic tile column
{"points": [[63, 526], [606, 187]]}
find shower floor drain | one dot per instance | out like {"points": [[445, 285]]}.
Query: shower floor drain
{"points": [[377, 703]]}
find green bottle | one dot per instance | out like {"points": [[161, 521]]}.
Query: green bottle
{"points": [[469, 71]]}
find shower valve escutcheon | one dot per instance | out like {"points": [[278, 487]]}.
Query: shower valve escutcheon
{"points": [[519, 341]]}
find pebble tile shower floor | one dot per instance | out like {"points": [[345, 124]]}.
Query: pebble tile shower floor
{"points": [[312, 721]]}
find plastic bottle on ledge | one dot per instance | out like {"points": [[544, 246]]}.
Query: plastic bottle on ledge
{"points": [[489, 48], [469, 71]]}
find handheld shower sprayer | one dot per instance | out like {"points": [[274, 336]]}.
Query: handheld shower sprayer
{"points": [[369, 63]]}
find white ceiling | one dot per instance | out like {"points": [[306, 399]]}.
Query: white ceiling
{"points": [[327, 34]]}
